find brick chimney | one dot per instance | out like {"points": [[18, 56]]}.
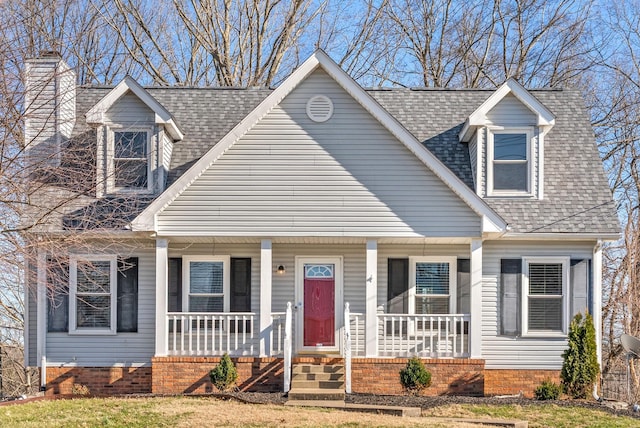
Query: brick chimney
{"points": [[50, 108]]}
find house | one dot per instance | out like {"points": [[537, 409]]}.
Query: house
{"points": [[461, 226]]}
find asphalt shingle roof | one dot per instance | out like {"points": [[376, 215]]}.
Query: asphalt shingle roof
{"points": [[577, 198]]}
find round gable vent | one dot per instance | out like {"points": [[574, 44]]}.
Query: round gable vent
{"points": [[319, 108]]}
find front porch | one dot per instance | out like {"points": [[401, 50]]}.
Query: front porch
{"points": [[368, 315]]}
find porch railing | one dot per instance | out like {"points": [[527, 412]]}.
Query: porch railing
{"points": [[234, 333], [433, 336], [277, 333], [191, 333]]}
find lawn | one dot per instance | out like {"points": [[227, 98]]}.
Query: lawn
{"points": [[197, 412]]}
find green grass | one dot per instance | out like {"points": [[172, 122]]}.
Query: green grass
{"points": [[547, 415], [86, 412], [196, 412]]}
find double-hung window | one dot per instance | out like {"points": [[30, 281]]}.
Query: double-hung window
{"points": [[130, 166], [93, 288], [432, 288], [545, 303], [509, 155], [206, 282]]}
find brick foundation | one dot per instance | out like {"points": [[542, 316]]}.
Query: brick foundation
{"points": [[502, 382], [448, 377], [189, 375], [99, 380]]}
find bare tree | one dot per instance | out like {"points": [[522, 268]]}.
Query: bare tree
{"points": [[616, 112]]}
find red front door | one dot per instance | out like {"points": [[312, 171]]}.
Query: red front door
{"points": [[319, 305]]}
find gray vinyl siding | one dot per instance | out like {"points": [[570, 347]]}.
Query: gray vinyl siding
{"points": [[50, 105], [165, 159], [385, 252], [232, 250], [473, 158], [289, 176], [511, 112], [502, 352], [67, 99], [123, 348], [32, 321], [129, 109], [353, 263]]}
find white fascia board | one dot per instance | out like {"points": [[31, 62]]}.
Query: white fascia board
{"points": [[568, 236], [545, 118], [321, 59], [162, 116]]}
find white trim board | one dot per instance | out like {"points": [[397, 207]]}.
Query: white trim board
{"points": [[491, 221]]}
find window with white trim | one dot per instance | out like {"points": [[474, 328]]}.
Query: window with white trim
{"points": [[544, 305], [206, 284], [93, 288], [130, 166], [509, 170], [432, 287]]}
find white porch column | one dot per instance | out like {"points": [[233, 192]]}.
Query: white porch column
{"points": [[475, 329], [162, 276], [597, 297], [41, 298], [265, 297], [371, 296]]}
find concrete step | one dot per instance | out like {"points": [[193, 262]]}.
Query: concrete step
{"points": [[316, 394], [317, 368], [317, 384], [317, 376], [365, 408]]}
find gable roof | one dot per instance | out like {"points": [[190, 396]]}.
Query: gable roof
{"points": [[545, 118], [162, 116], [491, 221], [435, 117]]}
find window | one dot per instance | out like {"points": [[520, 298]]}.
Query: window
{"points": [[433, 286], [206, 281], [130, 169], [92, 304], [509, 170], [544, 306]]}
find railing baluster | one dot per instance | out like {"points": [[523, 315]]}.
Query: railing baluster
{"points": [[198, 335], [220, 330], [175, 333], [182, 331]]}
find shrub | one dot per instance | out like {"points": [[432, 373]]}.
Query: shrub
{"points": [[580, 367], [224, 375], [548, 391], [415, 377]]}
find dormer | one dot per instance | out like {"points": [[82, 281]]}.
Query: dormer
{"points": [[135, 139], [506, 143]]}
